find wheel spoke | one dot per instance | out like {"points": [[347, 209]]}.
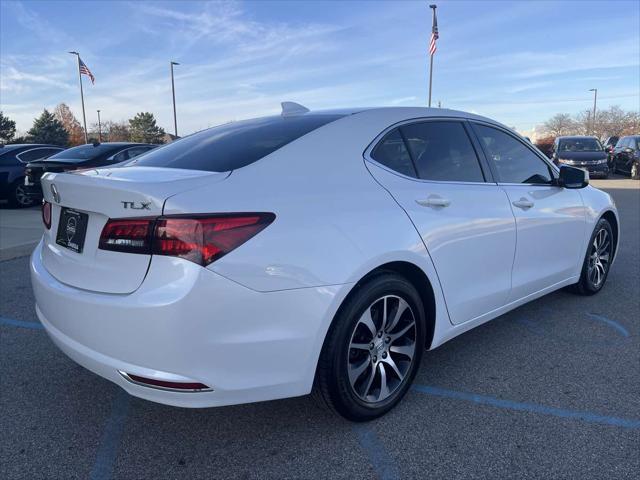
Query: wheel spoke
{"points": [[360, 346], [604, 257], [356, 371], [402, 306], [384, 388], [367, 321], [397, 335], [406, 350], [389, 361], [370, 378], [385, 313]]}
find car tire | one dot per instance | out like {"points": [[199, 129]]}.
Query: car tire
{"points": [[18, 197], [361, 354], [635, 173], [595, 267]]}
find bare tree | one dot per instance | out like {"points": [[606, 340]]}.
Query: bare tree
{"points": [[560, 124]]}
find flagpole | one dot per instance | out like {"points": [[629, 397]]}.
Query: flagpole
{"points": [[433, 20], [173, 93], [84, 117]]}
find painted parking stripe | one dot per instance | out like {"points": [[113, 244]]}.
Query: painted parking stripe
{"points": [[108, 450], [612, 323], [19, 323], [380, 460], [528, 407]]}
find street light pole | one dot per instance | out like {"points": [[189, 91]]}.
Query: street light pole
{"points": [[173, 92], [99, 128], [593, 117], [84, 117]]}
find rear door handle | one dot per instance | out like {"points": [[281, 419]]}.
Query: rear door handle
{"points": [[523, 203], [434, 202]]}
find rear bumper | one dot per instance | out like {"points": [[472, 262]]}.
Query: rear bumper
{"points": [[188, 324]]}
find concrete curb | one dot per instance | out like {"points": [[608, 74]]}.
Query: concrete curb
{"points": [[17, 251]]}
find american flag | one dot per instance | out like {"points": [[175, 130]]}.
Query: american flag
{"points": [[84, 70], [434, 35]]}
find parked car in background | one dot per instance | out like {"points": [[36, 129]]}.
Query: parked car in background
{"points": [[90, 155], [13, 159], [582, 152], [626, 156], [609, 145], [265, 258]]}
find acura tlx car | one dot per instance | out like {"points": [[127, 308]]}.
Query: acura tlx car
{"points": [[309, 251]]}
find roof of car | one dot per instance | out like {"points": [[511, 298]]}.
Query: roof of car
{"points": [[13, 146]]}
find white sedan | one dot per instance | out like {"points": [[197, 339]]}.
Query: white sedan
{"points": [[322, 251]]}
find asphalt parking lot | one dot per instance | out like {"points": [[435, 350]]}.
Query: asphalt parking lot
{"points": [[550, 390]]}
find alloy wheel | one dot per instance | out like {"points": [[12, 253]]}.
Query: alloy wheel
{"points": [[599, 257], [21, 197], [382, 349]]}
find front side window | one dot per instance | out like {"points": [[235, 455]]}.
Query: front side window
{"points": [[514, 162], [442, 151], [392, 153]]}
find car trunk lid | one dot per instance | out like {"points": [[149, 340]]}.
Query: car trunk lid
{"points": [[93, 197]]}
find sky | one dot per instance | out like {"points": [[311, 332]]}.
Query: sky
{"points": [[516, 62]]}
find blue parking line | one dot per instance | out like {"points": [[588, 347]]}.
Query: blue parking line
{"points": [[383, 465], [528, 407], [612, 323], [108, 450], [19, 323]]}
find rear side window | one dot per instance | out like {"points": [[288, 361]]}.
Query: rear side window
{"points": [[392, 153], [85, 152], [234, 145], [514, 162], [442, 151], [37, 154]]}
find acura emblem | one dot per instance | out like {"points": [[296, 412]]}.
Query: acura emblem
{"points": [[54, 192]]}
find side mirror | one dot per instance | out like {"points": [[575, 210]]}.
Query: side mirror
{"points": [[628, 150], [571, 177]]}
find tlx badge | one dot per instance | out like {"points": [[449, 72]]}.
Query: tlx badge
{"points": [[136, 205]]}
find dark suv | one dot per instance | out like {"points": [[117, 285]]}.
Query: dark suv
{"points": [[13, 159], [90, 155], [626, 156], [582, 152]]}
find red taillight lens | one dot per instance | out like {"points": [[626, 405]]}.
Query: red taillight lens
{"points": [[132, 235], [201, 240], [46, 214], [205, 239]]}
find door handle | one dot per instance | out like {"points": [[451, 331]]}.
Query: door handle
{"points": [[523, 203], [434, 202]]}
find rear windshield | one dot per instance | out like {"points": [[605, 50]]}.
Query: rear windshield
{"points": [[580, 145], [233, 145], [85, 152]]}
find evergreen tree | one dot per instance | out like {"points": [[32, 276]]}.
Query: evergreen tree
{"points": [[143, 128], [48, 129], [7, 128]]}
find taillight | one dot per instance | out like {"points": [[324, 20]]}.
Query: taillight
{"points": [[46, 214], [132, 235], [205, 239], [199, 239]]}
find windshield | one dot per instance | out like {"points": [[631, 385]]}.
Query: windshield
{"points": [[233, 145], [85, 152], [580, 145]]}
